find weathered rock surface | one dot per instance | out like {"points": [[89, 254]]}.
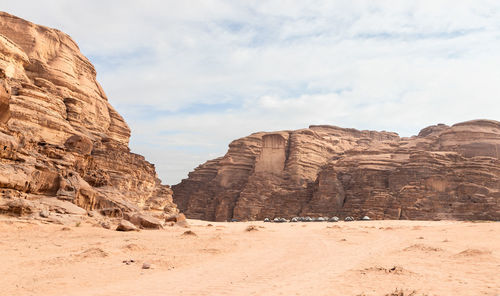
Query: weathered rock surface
{"points": [[443, 173], [125, 225], [59, 136]]}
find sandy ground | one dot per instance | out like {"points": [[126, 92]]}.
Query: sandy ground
{"points": [[345, 258]]}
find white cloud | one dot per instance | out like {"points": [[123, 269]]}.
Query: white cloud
{"points": [[189, 76]]}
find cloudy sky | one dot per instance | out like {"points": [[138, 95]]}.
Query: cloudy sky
{"points": [[190, 76]]}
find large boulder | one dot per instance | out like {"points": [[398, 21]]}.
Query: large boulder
{"points": [[144, 221]]}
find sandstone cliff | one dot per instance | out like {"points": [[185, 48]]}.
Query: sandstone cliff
{"points": [[443, 173], [59, 136]]}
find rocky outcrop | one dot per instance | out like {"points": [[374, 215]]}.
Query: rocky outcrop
{"points": [[443, 173], [59, 136]]}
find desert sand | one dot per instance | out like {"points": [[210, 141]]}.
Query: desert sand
{"points": [[344, 258]]}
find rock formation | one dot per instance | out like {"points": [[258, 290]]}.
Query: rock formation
{"points": [[443, 173], [59, 136]]}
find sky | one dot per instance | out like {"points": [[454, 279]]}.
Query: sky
{"points": [[191, 76]]}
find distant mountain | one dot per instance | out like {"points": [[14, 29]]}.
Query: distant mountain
{"points": [[443, 173]]}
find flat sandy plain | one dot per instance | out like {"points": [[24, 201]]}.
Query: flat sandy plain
{"points": [[318, 258]]}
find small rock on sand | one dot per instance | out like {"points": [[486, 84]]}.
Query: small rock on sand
{"points": [[105, 224], [128, 262], [44, 213], [189, 233], [181, 221], [126, 226]]}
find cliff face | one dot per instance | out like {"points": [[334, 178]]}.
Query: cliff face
{"points": [[443, 173], [59, 136]]}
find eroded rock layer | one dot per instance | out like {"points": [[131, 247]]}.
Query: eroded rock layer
{"points": [[59, 136], [443, 173]]}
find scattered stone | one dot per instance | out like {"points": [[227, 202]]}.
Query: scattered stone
{"points": [[128, 262], [189, 233], [366, 218], [251, 228], [267, 220], [105, 224], [391, 270], [395, 269], [126, 226], [44, 213], [401, 292], [320, 219], [348, 219], [146, 265], [295, 219]]}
